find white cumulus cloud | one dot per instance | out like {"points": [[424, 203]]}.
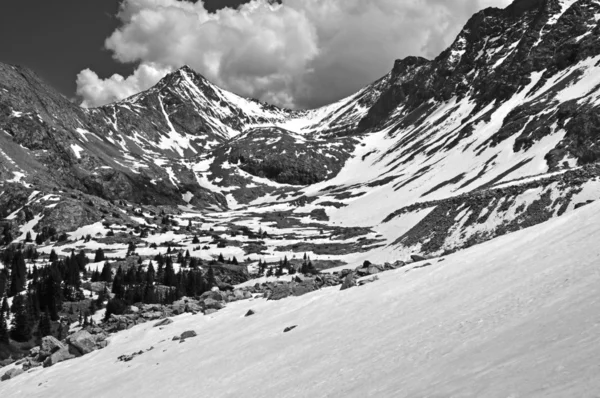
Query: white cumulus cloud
{"points": [[302, 54]]}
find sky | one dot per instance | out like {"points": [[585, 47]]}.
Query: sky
{"points": [[299, 54]]}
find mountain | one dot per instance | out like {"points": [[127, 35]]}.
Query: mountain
{"points": [[497, 134], [512, 99]]}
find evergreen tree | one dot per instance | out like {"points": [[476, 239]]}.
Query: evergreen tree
{"points": [[20, 326], [118, 284], [53, 256], [45, 325], [28, 237], [234, 261], [150, 274], [4, 307], [3, 329], [99, 256], [3, 280], [221, 259], [195, 240], [106, 275], [18, 274], [169, 278], [212, 281]]}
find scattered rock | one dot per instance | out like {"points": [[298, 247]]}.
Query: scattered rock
{"points": [[188, 334], [164, 322], [250, 312], [289, 328]]}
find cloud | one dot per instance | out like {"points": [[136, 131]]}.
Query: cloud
{"points": [[304, 53], [96, 91]]}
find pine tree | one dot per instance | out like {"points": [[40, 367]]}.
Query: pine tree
{"points": [[28, 237], [4, 307], [3, 329], [53, 256], [99, 256], [106, 275], [195, 241], [221, 259], [3, 280], [45, 325], [20, 326], [212, 281], [18, 274]]}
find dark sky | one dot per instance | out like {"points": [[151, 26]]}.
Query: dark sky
{"points": [[57, 39]]}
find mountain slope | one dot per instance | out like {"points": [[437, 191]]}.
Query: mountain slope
{"points": [[497, 133], [495, 320]]}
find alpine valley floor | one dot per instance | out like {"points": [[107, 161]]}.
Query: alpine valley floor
{"points": [[517, 316]]}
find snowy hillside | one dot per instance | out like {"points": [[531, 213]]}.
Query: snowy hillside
{"points": [[511, 317]]}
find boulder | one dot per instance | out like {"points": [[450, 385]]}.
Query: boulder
{"points": [[188, 334], [281, 291], [247, 295], [11, 373], [418, 257], [31, 363], [238, 294], [193, 307], [249, 313], [209, 311], [304, 287], [212, 304], [348, 282], [151, 315], [34, 352], [83, 341], [50, 345], [213, 294], [374, 269], [178, 307], [289, 328], [62, 354]]}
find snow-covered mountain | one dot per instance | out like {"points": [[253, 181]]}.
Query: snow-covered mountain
{"points": [[509, 107], [498, 135]]}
